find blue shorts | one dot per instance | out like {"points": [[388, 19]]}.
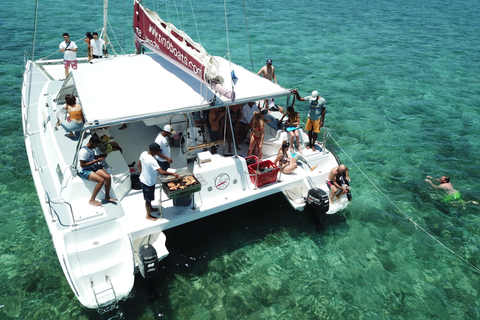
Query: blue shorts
{"points": [[148, 192], [85, 173]]}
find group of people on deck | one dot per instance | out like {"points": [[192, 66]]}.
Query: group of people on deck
{"points": [[69, 48], [248, 123]]}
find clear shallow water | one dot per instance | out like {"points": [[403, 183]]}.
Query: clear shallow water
{"points": [[402, 86]]}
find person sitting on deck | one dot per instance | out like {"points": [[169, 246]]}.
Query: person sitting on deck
{"points": [[148, 167], [74, 120], [285, 160], [292, 124], [88, 169], [337, 181]]}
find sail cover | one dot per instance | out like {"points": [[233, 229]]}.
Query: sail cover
{"points": [[147, 85]]}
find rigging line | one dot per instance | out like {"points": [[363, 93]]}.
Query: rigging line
{"points": [[195, 22], [248, 35], [178, 16], [228, 40], [406, 216]]}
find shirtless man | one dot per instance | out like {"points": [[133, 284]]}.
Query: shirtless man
{"points": [[335, 181], [214, 117], [268, 71]]}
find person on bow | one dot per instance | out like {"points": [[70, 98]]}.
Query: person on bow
{"points": [[268, 71], [316, 116], [69, 49], [97, 46]]}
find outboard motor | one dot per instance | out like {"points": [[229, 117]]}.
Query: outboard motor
{"points": [[147, 261], [318, 202]]}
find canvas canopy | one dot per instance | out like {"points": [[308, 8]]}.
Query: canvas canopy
{"points": [[144, 86]]}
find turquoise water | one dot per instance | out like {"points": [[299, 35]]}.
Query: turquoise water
{"points": [[401, 81]]}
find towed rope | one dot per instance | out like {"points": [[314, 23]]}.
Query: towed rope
{"points": [[406, 216]]}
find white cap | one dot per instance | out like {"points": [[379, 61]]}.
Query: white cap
{"points": [[314, 94], [168, 128]]}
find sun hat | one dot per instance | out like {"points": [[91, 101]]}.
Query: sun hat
{"points": [[314, 94]]}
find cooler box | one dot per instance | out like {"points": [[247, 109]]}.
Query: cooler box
{"points": [[267, 173]]}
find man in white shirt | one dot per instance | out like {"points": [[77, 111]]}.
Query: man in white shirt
{"points": [[70, 53], [162, 139], [247, 114], [88, 169], [97, 46], [149, 169]]}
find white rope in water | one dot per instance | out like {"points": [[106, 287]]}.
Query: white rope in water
{"points": [[406, 216]]}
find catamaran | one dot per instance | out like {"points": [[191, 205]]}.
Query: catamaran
{"points": [[100, 248]]}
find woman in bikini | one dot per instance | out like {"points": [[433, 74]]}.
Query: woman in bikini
{"points": [[284, 159], [74, 121], [258, 133], [292, 125]]}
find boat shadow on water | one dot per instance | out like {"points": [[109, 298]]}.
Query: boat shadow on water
{"points": [[198, 248]]}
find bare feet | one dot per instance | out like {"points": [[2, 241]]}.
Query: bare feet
{"points": [[95, 203], [70, 135], [149, 217], [124, 126], [110, 200]]}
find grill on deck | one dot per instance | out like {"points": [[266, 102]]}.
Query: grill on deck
{"points": [[182, 189]]}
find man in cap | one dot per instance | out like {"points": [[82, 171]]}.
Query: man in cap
{"points": [[149, 169], [163, 140], [316, 116], [268, 71]]}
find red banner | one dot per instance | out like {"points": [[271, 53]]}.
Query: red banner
{"points": [[159, 40]]}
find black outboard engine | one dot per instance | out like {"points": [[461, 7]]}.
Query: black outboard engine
{"points": [[349, 193], [318, 202], [147, 261]]}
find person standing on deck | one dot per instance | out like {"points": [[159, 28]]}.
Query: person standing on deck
{"points": [[268, 71], [163, 139], [214, 119], [97, 46], [149, 169], [70, 53], [316, 116]]}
